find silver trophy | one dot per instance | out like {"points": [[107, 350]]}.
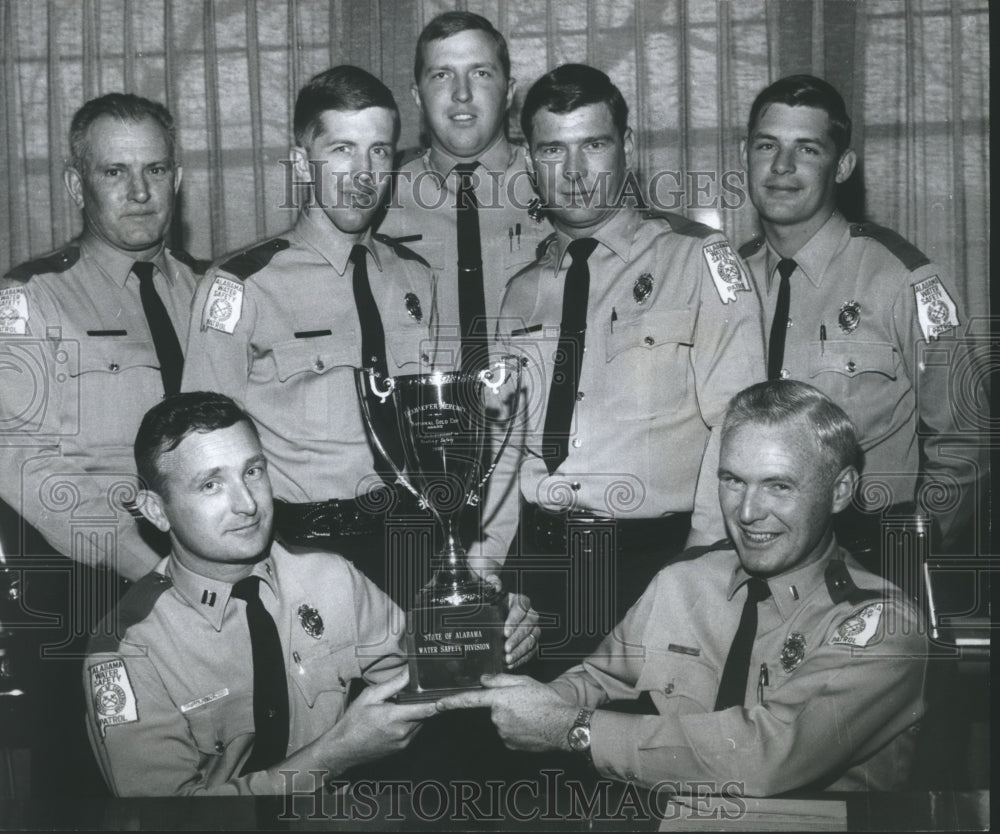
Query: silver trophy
{"points": [[454, 630]]}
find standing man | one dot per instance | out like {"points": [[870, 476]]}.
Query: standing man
{"points": [[90, 337], [462, 203], [858, 312], [774, 661], [637, 330], [232, 659]]}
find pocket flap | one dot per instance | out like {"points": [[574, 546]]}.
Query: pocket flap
{"points": [[649, 330], [115, 355], [852, 358], [316, 355], [216, 725]]}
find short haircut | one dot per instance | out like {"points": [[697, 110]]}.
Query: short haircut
{"points": [[344, 88], [451, 23], [778, 402], [806, 91], [123, 106], [569, 87], [175, 417]]}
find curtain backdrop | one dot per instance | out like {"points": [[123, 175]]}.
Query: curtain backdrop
{"points": [[914, 74]]}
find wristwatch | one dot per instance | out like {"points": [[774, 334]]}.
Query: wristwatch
{"points": [[579, 734]]}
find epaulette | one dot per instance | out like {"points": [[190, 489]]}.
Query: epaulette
{"points": [[133, 608], [407, 155], [702, 549], [404, 252], [681, 224], [751, 247], [58, 261], [908, 254], [198, 267], [253, 260], [543, 246], [841, 587]]}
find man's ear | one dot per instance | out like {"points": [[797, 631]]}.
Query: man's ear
{"points": [[843, 488], [300, 163], [845, 165], [415, 93], [150, 504], [743, 154], [628, 143], [178, 176], [511, 90], [73, 180]]}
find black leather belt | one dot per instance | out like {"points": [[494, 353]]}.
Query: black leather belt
{"points": [[321, 521], [549, 530]]}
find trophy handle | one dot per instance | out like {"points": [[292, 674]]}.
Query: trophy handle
{"points": [[488, 377], [366, 379]]}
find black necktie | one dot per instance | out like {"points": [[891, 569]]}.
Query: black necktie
{"points": [[373, 356], [734, 676], [270, 687], [471, 297], [779, 327], [569, 354], [168, 349]]}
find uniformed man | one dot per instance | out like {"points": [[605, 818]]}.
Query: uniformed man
{"points": [[181, 700], [284, 326], [637, 329], [90, 337], [773, 661], [462, 203], [857, 311]]}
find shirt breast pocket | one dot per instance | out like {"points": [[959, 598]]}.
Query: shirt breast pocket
{"points": [[220, 723], [325, 672], [119, 379], [650, 360], [679, 683], [307, 404]]}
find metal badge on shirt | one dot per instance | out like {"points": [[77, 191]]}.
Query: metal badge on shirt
{"points": [[310, 620], [13, 311], [849, 316], [935, 309], [859, 628], [114, 698], [726, 270], [794, 651], [413, 307], [224, 305], [642, 288]]}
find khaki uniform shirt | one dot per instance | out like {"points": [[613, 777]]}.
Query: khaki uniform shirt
{"points": [[833, 694], [78, 370], [672, 333], [170, 701], [890, 357], [422, 213], [276, 328]]}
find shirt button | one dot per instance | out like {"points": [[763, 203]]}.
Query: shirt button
{"points": [[579, 396], [424, 357], [668, 689], [630, 776], [649, 340], [784, 374], [113, 367], [575, 486], [219, 747], [851, 367], [577, 443], [272, 712], [319, 365]]}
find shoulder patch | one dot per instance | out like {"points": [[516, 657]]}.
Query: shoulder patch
{"points": [[726, 270], [224, 305], [841, 587], [936, 311], [112, 693], [245, 264], [133, 608], [58, 261], [198, 267], [908, 254], [400, 249], [13, 311], [681, 224], [859, 628], [750, 247]]}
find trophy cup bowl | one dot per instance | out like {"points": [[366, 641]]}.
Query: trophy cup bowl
{"points": [[454, 629]]}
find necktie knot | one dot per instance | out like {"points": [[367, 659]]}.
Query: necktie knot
{"points": [[144, 270], [581, 249], [358, 254], [247, 589], [757, 590], [786, 266]]}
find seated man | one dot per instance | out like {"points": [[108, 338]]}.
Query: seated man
{"points": [[184, 701], [822, 683]]}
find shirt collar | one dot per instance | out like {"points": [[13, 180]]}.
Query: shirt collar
{"points": [[497, 157], [616, 234], [209, 597], [813, 258], [318, 232], [114, 263], [789, 590]]}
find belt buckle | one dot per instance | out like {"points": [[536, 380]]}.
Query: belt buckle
{"points": [[584, 521]]}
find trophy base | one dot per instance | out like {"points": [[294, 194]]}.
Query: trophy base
{"points": [[449, 647]]}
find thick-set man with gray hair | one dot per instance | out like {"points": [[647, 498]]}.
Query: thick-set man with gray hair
{"points": [[773, 659]]}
